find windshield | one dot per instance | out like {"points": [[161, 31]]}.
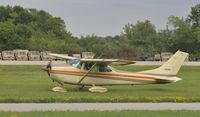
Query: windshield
{"points": [[74, 63], [104, 69]]}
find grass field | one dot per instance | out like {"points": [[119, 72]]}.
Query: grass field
{"points": [[127, 113], [31, 84]]}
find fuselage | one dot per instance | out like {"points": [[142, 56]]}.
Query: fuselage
{"points": [[72, 75]]}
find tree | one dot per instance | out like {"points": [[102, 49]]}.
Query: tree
{"points": [[194, 19], [14, 36], [141, 37], [194, 16], [5, 13], [22, 28], [7, 33], [182, 35], [164, 42]]}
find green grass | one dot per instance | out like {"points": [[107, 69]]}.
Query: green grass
{"points": [[126, 113], [31, 84]]}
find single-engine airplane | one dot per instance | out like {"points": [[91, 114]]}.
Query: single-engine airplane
{"points": [[97, 72]]}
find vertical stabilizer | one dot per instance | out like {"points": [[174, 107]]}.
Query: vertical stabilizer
{"points": [[172, 66]]}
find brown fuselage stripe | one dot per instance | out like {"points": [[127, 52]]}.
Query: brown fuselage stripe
{"points": [[113, 78], [155, 74], [103, 74], [167, 75]]}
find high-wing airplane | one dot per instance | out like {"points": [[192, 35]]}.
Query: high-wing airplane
{"points": [[97, 72]]}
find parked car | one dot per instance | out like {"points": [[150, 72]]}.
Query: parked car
{"points": [[88, 55], [146, 58], [21, 55], [76, 55], [164, 56], [34, 55], [157, 57], [0, 57], [196, 59], [45, 57], [8, 55]]}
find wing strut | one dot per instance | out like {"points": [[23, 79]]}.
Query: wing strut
{"points": [[86, 73]]}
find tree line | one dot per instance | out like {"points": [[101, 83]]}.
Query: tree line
{"points": [[32, 29]]}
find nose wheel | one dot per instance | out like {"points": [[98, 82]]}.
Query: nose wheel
{"points": [[59, 89]]}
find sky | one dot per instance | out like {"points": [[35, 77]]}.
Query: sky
{"points": [[108, 17]]}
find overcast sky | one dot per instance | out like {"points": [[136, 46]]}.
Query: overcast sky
{"points": [[108, 17]]}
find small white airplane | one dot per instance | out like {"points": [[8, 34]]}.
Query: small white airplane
{"points": [[97, 72]]}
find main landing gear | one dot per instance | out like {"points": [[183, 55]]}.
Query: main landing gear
{"points": [[93, 89], [59, 89], [97, 89]]}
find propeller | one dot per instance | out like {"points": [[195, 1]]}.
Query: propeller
{"points": [[48, 67]]}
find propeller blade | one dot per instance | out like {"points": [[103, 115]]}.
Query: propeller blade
{"points": [[48, 67]]}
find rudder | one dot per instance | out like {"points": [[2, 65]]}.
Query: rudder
{"points": [[172, 66]]}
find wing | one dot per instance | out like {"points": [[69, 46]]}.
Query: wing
{"points": [[107, 61], [62, 56], [95, 61]]}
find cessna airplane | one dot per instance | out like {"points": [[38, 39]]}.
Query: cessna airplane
{"points": [[97, 72]]}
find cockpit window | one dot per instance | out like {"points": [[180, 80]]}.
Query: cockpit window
{"points": [[74, 63], [97, 68], [104, 69], [88, 67]]}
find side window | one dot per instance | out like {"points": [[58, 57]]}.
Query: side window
{"points": [[104, 69], [96, 68], [87, 67]]}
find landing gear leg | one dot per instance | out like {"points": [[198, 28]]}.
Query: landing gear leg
{"points": [[61, 85], [81, 87]]}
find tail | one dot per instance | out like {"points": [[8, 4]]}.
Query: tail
{"points": [[172, 66]]}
